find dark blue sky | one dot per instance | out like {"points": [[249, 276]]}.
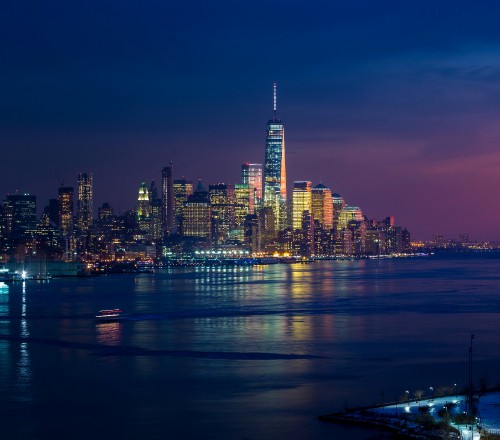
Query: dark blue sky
{"points": [[393, 104]]}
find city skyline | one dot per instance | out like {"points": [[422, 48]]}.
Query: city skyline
{"points": [[393, 106]]}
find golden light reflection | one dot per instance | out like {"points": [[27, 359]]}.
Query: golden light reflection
{"points": [[109, 333]]}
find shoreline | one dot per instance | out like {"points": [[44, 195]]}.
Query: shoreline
{"points": [[405, 429]]}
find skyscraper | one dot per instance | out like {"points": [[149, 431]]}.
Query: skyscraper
{"points": [[275, 168], [84, 203], [197, 215], [156, 213], [167, 198], [20, 215], [222, 197], [182, 190], [322, 206], [66, 210], [301, 202], [144, 210], [251, 175]]}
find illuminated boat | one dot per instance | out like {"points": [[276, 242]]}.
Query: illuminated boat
{"points": [[110, 315]]}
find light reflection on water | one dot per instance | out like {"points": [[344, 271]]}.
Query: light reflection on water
{"points": [[23, 375], [373, 327]]}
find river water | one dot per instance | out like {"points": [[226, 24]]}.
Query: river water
{"points": [[235, 353]]}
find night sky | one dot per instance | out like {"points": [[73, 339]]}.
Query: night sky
{"points": [[393, 104]]}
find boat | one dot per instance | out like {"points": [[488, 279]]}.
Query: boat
{"points": [[110, 315]]}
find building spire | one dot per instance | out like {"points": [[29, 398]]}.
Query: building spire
{"points": [[275, 101]]}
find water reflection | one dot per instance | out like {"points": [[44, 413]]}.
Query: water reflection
{"points": [[4, 330], [23, 383], [109, 333]]}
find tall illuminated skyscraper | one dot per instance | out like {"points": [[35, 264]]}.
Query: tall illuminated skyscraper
{"points": [[182, 190], [84, 202], [251, 175], [144, 210], [275, 168], [197, 215], [301, 202], [66, 210], [322, 206]]}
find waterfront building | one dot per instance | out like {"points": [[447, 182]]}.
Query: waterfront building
{"points": [[222, 204], [267, 224], [252, 233], [322, 206], [47, 238], [182, 190], [167, 197], [19, 215], [393, 239], [406, 240], [374, 242], [301, 202], [84, 203], [275, 194], [243, 206], [197, 218], [324, 239], [251, 175], [307, 239]]}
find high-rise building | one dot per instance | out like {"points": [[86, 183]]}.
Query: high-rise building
{"points": [[222, 197], [66, 210], [275, 168], [347, 214], [144, 210], [251, 175], [301, 202], [84, 203], [105, 215], [156, 213], [20, 215], [167, 198], [182, 190], [52, 210], [243, 200], [197, 220], [322, 206]]}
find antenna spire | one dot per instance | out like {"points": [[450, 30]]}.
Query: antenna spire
{"points": [[275, 100]]}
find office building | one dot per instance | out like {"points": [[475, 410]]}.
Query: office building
{"points": [[275, 194], [84, 203], [65, 210], [322, 206], [19, 215], [144, 211], [167, 197], [301, 202], [182, 190], [222, 198], [197, 219], [251, 175]]}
